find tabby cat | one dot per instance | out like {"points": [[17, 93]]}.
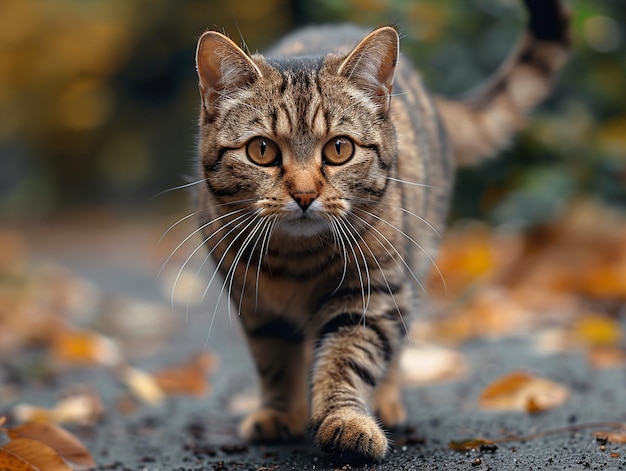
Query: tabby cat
{"points": [[323, 196]]}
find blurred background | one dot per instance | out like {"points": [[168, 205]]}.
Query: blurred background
{"points": [[98, 98]]}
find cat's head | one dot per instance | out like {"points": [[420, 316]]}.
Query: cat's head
{"points": [[303, 138]]}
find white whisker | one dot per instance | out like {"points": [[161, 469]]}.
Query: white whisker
{"points": [[194, 233], [424, 251], [382, 272], [182, 268], [179, 187], [406, 182], [343, 230], [417, 216]]}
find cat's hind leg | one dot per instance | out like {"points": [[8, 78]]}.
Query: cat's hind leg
{"points": [[388, 404], [280, 354]]}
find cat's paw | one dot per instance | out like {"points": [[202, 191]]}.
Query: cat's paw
{"points": [[271, 426], [351, 435]]}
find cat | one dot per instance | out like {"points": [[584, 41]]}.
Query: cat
{"points": [[327, 173]]}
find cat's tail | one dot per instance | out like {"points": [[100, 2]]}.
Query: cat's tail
{"points": [[485, 120]]}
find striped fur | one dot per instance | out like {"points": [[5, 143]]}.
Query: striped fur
{"points": [[323, 254]]}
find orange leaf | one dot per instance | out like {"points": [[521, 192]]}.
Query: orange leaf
{"points": [[25, 454], [187, 378], [469, 444], [57, 438], [606, 357], [522, 391], [85, 347], [613, 437]]}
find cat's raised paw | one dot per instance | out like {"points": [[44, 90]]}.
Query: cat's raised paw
{"points": [[271, 426], [352, 435]]}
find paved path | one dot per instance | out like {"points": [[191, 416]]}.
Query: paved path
{"points": [[199, 434]]}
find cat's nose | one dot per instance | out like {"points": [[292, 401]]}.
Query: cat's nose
{"points": [[304, 198]]}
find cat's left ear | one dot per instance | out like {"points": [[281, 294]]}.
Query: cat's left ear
{"points": [[372, 64]]}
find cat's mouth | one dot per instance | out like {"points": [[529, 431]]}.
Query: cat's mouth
{"points": [[304, 226], [298, 223]]}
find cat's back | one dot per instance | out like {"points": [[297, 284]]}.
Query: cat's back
{"points": [[318, 40]]}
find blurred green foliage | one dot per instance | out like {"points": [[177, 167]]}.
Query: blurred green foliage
{"points": [[98, 98]]}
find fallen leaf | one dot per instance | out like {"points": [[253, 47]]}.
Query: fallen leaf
{"points": [[469, 444], [187, 378], [26, 454], [57, 438], [142, 384], [612, 436], [431, 364], [597, 329], [85, 347], [83, 407], [606, 357], [523, 391]]}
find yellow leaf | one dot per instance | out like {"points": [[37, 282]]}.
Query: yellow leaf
{"points": [[594, 329]]}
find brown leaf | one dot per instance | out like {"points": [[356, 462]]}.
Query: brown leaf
{"points": [[469, 444], [26, 454], [606, 357], [523, 391], [613, 436], [57, 438], [187, 378]]}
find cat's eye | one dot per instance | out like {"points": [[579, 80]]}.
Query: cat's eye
{"points": [[263, 151], [338, 150]]}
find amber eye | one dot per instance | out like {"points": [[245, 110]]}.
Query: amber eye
{"points": [[338, 151], [263, 151]]}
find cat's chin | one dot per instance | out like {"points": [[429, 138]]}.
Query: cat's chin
{"points": [[302, 227]]}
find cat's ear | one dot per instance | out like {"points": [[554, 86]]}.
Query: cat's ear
{"points": [[222, 67], [372, 64]]}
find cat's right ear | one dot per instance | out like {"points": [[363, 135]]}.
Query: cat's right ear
{"points": [[222, 67]]}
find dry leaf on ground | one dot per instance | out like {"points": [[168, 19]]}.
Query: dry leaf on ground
{"points": [[606, 357], [25, 454], [84, 347], [83, 407], [60, 440], [612, 436], [428, 365], [142, 384], [188, 377], [523, 391]]}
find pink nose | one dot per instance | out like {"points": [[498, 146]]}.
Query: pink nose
{"points": [[305, 198]]}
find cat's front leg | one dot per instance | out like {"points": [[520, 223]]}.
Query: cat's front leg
{"points": [[280, 354], [351, 358]]}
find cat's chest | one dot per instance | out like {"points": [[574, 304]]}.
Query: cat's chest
{"points": [[284, 296]]}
